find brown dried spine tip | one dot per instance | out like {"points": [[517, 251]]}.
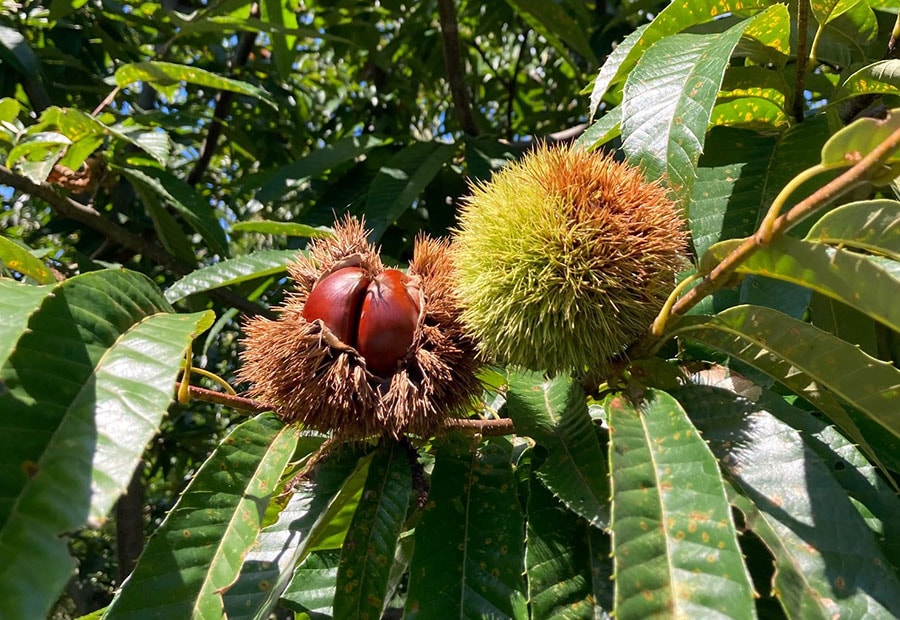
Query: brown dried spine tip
{"points": [[361, 350], [564, 259]]}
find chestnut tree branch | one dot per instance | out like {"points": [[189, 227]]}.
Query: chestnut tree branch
{"points": [[513, 82], [453, 63], [90, 217], [721, 273], [223, 103], [802, 59], [483, 427], [87, 215]]}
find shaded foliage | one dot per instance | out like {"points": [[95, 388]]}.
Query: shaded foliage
{"points": [[163, 160]]}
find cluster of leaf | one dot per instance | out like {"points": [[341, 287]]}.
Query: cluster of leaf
{"points": [[357, 118], [692, 485]]}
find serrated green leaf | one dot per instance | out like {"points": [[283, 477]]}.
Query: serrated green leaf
{"points": [[469, 553], [273, 12], [749, 113], [874, 499], [368, 552], [85, 132], [753, 97], [157, 144], [38, 146], [674, 542], [196, 211], [9, 109], [757, 83], [610, 69], [669, 97], [826, 10], [827, 561], [17, 258], [231, 271], [872, 289], [742, 172], [85, 390], [676, 17], [870, 225], [879, 78], [339, 514], [291, 229], [401, 180], [171, 236], [847, 35], [604, 129], [844, 322], [772, 366], [786, 297], [312, 590], [18, 301], [166, 75], [268, 567], [81, 127], [16, 51], [767, 42], [315, 164], [728, 193], [567, 561], [201, 22], [197, 550], [804, 358], [858, 139], [554, 412]]}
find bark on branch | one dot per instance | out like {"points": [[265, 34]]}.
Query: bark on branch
{"points": [[90, 217], [483, 427], [454, 65], [223, 103]]}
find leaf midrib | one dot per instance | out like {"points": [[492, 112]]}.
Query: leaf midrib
{"points": [[754, 341], [565, 445], [229, 530]]}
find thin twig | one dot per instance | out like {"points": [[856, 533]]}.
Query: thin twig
{"points": [[483, 427], [106, 101], [802, 58], [90, 217], [220, 398], [717, 278], [503, 426], [453, 63], [513, 82], [223, 103], [801, 210]]}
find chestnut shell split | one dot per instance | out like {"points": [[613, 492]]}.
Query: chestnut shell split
{"points": [[375, 315], [360, 350]]}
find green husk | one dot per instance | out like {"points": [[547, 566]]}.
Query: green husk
{"points": [[564, 258]]}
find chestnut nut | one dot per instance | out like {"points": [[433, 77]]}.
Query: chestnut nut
{"points": [[376, 316]]}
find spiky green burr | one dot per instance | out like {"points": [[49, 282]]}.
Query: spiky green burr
{"points": [[564, 258]]}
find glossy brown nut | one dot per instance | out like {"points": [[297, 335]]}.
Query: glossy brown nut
{"points": [[387, 324], [337, 300]]}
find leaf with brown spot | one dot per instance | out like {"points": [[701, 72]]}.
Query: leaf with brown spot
{"points": [[665, 568]]}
